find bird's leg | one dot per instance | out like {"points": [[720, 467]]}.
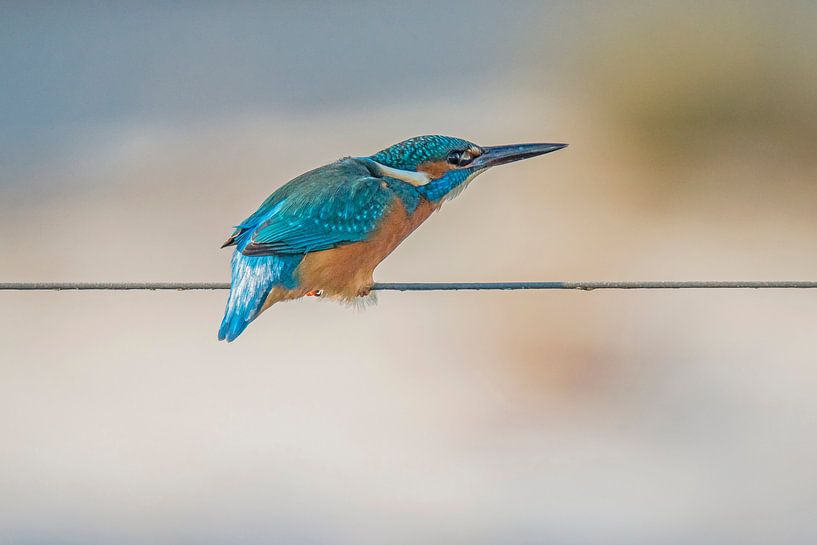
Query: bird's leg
{"points": [[313, 293], [365, 297], [364, 292]]}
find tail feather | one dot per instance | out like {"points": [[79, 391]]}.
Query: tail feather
{"points": [[253, 278]]}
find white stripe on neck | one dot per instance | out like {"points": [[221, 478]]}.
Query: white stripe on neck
{"points": [[410, 176]]}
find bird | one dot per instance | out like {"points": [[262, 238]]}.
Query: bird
{"points": [[324, 232]]}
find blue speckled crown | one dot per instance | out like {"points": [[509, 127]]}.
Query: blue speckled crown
{"points": [[408, 154]]}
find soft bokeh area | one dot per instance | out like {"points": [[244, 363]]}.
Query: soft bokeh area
{"points": [[133, 137]]}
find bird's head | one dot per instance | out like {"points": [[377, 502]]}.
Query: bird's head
{"points": [[441, 166]]}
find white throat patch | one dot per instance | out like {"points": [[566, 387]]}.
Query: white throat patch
{"points": [[414, 178]]}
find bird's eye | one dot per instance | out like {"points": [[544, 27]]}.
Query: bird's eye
{"points": [[460, 158]]}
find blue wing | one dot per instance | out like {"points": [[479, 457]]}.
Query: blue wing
{"points": [[334, 205], [330, 206]]}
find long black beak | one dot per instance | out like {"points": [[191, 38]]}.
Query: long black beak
{"points": [[499, 155]]}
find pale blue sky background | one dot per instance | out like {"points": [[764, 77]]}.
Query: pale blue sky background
{"points": [[70, 65]]}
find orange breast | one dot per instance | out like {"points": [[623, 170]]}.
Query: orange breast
{"points": [[346, 272]]}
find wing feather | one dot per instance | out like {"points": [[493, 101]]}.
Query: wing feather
{"points": [[334, 205]]}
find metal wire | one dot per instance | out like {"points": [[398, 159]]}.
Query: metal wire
{"points": [[428, 286]]}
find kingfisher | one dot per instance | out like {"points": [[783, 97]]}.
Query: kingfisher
{"points": [[324, 232]]}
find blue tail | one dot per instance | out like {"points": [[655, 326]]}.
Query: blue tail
{"points": [[253, 278]]}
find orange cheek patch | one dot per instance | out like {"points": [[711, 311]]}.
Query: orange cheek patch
{"points": [[434, 169]]}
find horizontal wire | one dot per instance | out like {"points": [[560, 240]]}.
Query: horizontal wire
{"points": [[428, 286]]}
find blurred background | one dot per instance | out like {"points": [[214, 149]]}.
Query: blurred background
{"points": [[134, 135]]}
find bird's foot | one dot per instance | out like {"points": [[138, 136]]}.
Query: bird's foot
{"points": [[365, 297], [313, 293]]}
